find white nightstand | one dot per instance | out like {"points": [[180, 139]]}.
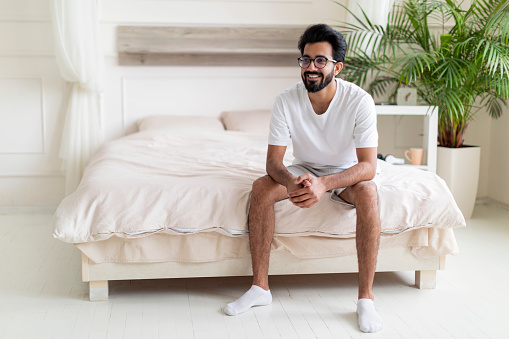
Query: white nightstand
{"points": [[430, 116]]}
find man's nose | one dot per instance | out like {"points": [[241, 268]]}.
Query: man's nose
{"points": [[312, 66]]}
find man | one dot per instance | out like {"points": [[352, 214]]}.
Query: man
{"points": [[332, 124]]}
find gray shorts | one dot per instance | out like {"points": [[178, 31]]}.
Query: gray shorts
{"points": [[322, 170]]}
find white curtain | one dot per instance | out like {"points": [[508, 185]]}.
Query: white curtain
{"points": [[80, 59], [376, 10]]}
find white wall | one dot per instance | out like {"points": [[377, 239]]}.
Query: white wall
{"points": [[133, 92], [32, 92], [492, 136], [478, 134], [498, 187]]}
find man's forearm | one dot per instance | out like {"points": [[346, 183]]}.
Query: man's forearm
{"points": [[277, 171], [362, 171]]}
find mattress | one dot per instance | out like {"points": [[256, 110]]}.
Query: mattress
{"points": [[212, 246]]}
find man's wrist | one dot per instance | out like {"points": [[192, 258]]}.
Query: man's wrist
{"points": [[326, 182], [282, 176], [331, 182], [289, 178]]}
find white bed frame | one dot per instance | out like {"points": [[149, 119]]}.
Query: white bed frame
{"points": [[281, 263], [261, 43]]}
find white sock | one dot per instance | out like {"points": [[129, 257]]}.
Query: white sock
{"points": [[255, 296], [369, 320]]}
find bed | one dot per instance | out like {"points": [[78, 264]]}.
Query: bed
{"points": [[172, 200]]}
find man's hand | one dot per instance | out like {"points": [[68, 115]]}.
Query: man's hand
{"points": [[306, 190], [292, 186]]}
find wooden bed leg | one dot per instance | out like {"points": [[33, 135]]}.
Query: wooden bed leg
{"points": [[99, 290], [426, 279]]}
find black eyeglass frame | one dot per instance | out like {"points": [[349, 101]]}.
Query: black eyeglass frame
{"points": [[314, 61]]}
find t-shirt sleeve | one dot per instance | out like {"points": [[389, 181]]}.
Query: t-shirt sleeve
{"points": [[365, 132], [279, 134]]}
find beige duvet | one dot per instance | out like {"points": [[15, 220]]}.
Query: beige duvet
{"points": [[183, 183]]}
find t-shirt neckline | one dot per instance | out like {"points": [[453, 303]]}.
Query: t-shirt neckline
{"points": [[310, 106]]}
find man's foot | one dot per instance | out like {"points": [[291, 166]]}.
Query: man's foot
{"points": [[255, 296], [369, 320]]}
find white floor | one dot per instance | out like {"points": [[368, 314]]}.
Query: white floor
{"points": [[42, 296]]}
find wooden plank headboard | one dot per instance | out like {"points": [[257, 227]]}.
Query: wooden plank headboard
{"points": [[208, 46]]}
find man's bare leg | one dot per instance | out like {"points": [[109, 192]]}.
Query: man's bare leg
{"points": [[266, 192], [364, 197]]}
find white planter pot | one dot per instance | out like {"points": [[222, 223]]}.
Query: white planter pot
{"points": [[459, 167]]}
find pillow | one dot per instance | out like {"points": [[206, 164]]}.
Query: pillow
{"points": [[172, 122], [247, 121]]}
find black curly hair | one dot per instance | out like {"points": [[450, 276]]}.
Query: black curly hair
{"points": [[321, 33]]}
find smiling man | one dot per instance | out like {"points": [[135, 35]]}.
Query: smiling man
{"points": [[332, 124]]}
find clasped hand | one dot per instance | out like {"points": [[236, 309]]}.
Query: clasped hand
{"points": [[305, 191]]}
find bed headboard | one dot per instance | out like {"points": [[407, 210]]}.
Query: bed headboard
{"points": [[208, 46]]}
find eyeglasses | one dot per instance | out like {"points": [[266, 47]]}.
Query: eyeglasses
{"points": [[320, 62]]}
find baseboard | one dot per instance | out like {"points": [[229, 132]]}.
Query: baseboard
{"points": [[491, 202], [27, 209]]}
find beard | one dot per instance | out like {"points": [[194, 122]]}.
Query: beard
{"points": [[318, 85]]}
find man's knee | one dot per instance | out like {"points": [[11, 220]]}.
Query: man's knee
{"points": [[263, 184], [265, 189], [364, 192]]}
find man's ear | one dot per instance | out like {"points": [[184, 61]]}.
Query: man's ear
{"points": [[337, 68]]}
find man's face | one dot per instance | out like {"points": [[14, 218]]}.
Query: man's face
{"points": [[315, 79]]}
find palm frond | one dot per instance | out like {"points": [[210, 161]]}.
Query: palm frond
{"points": [[381, 84], [361, 66], [413, 64], [480, 11], [497, 24], [464, 47], [495, 56], [363, 34], [452, 70], [418, 18], [358, 19], [495, 86], [451, 100], [494, 106]]}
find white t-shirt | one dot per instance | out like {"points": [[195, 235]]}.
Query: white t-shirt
{"points": [[330, 138]]}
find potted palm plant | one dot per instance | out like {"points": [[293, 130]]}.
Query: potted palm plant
{"points": [[457, 60]]}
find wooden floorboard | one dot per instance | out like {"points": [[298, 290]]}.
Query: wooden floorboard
{"points": [[42, 295]]}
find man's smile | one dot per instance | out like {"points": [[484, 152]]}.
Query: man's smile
{"points": [[313, 76]]}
